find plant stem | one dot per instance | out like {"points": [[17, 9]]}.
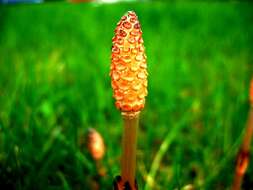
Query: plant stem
{"points": [[129, 143], [249, 131], [243, 154]]}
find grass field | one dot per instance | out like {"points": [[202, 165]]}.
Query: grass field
{"points": [[54, 85]]}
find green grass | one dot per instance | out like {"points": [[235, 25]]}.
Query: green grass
{"points": [[54, 84]]}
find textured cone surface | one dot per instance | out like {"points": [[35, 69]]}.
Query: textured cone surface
{"points": [[128, 65], [251, 92]]}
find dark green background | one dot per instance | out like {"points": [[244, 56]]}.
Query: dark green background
{"points": [[54, 84]]}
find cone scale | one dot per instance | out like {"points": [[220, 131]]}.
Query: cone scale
{"points": [[128, 74]]}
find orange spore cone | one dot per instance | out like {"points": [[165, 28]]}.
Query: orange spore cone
{"points": [[95, 144], [128, 65]]}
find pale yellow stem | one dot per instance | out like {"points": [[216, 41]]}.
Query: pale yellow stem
{"points": [[129, 143]]}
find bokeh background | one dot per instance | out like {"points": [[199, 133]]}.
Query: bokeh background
{"points": [[54, 85]]}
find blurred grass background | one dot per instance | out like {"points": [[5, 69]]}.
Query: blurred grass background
{"points": [[54, 84]]}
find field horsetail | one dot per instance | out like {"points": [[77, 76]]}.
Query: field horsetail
{"points": [[128, 74]]}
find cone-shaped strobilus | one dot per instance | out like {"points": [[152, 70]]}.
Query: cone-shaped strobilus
{"points": [[129, 82]]}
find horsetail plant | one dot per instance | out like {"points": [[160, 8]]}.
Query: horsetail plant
{"points": [[95, 144], [96, 147], [243, 154], [128, 74]]}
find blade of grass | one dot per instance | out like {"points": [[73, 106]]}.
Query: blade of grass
{"points": [[64, 181], [224, 161], [162, 150]]}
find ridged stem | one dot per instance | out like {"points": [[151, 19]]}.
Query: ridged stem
{"points": [[129, 144], [243, 154]]}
